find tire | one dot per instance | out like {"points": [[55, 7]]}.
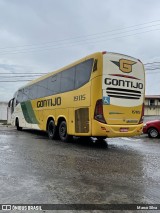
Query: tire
{"points": [[17, 125], [63, 132], [51, 130], [153, 133]]}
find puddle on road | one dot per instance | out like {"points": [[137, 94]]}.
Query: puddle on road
{"points": [[127, 169], [2, 148]]}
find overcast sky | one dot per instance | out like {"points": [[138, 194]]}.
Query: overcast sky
{"points": [[40, 36]]}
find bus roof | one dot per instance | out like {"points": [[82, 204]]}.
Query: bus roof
{"points": [[61, 69], [70, 65]]}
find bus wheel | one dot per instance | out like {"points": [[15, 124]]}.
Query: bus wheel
{"points": [[51, 130], [17, 125], [63, 132]]}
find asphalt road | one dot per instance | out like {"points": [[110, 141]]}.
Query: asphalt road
{"points": [[34, 169]]}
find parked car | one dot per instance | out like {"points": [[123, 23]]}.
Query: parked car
{"points": [[152, 128]]}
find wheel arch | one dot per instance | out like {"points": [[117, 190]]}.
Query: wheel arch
{"points": [[60, 119], [57, 122], [49, 119], [16, 119], [152, 127]]}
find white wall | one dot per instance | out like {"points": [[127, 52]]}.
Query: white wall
{"points": [[3, 110]]}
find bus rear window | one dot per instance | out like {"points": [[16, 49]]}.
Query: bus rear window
{"points": [[83, 72]]}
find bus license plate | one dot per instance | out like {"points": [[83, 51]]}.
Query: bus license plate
{"points": [[123, 129]]}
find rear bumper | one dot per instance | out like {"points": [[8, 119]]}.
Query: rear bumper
{"points": [[100, 129]]}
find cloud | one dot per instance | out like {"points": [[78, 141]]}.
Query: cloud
{"points": [[42, 36]]}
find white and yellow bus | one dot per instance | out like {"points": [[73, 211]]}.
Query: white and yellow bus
{"points": [[101, 96]]}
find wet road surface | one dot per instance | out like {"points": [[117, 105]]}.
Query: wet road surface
{"points": [[35, 169]]}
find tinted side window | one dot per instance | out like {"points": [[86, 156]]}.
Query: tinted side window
{"points": [[42, 88], [20, 96], [54, 84], [32, 90], [25, 94], [83, 72], [67, 80]]}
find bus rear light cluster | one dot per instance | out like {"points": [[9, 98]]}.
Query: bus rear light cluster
{"points": [[98, 113]]}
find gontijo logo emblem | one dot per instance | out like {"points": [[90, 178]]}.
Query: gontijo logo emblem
{"points": [[124, 65]]}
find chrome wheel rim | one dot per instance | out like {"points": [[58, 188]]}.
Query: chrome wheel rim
{"points": [[153, 133]]}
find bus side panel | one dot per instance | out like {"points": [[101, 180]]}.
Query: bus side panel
{"points": [[77, 102], [40, 117], [71, 122], [18, 114], [42, 114], [82, 116], [30, 115], [62, 113]]}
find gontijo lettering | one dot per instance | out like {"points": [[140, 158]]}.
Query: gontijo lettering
{"points": [[49, 102], [123, 83]]}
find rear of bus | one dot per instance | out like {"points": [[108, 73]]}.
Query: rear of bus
{"points": [[119, 110]]}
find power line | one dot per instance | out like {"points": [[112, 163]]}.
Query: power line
{"points": [[23, 73], [156, 62], [81, 40], [76, 44], [149, 70], [18, 76], [73, 43], [152, 67], [17, 80], [84, 36]]}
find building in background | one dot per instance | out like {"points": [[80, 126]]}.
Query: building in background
{"points": [[152, 107], [3, 111]]}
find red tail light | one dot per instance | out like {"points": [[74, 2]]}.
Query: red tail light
{"points": [[142, 115], [98, 113]]}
